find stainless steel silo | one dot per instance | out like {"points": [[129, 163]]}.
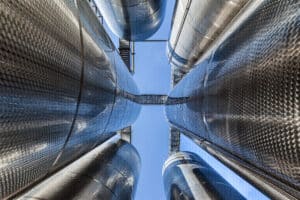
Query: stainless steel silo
{"points": [[60, 89], [244, 97], [133, 20], [187, 176], [195, 27]]}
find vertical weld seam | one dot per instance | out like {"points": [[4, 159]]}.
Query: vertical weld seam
{"points": [[114, 101], [80, 88]]}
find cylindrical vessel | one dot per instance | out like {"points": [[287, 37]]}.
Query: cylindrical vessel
{"points": [[59, 91], [187, 176], [110, 171], [133, 20], [195, 26], [245, 97]]}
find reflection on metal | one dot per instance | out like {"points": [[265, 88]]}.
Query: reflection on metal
{"points": [[174, 140], [187, 176], [238, 20], [59, 74], [133, 19], [196, 24], [244, 97], [132, 53], [110, 171], [258, 178], [125, 134], [96, 10]]}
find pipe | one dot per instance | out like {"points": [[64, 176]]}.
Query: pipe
{"points": [[243, 97], [60, 86], [110, 171], [187, 176], [133, 20]]}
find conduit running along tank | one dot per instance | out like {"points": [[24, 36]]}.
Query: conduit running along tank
{"points": [[61, 80], [133, 20], [244, 97], [186, 176], [110, 171]]}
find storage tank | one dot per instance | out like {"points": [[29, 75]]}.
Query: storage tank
{"points": [[187, 176], [196, 25], [244, 96], [60, 90], [133, 20], [110, 171]]}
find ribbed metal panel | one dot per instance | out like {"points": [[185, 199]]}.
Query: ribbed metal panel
{"points": [[245, 97]]}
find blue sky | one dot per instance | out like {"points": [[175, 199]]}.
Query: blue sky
{"points": [[151, 131]]}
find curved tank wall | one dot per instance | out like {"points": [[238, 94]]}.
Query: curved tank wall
{"points": [[60, 77], [187, 176], [110, 171], [195, 26], [133, 20], [245, 97]]}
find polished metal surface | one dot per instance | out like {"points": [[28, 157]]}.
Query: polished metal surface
{"points": [[186, 176], [133, 20], [244, 97], [262, 181], [108, 172], [60, 78], [195, 26]]}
